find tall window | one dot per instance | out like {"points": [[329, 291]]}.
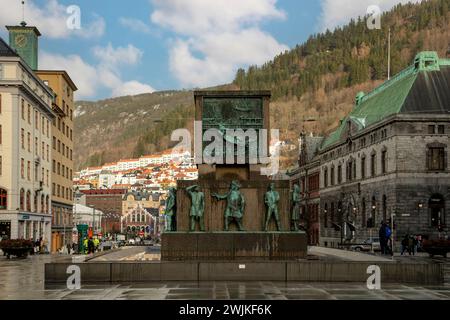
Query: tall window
{"points": [[22, 138], [29, 141], [22, 199], [373, 159], [36, 119], [28, 201], [36, 148], [340, 174], [22, 168], [383, 161], [325, 177], [350, 170], [363, 167], [332, 175], [29, 114], [3, 199], [22, 109], [436, 157], [29, 170]]}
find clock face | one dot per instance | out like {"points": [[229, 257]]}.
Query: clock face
{"points": [[21, 40]]}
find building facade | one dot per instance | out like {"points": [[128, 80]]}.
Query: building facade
{"points": [[62, 155], [388, 159], [25, 145]]}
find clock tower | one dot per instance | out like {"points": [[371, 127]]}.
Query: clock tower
{"points": [[24, 40]]}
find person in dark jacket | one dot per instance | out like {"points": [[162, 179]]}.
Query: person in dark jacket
{"points": [[383, 238], [91, 246]]}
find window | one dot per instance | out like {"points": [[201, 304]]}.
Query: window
{"points": [[350, 170], [48, 129], [29, 114], [28, 201], [63, 128], [332, 176], [436, 158], [47, 179], [53, 189], [29, 170], [22, 138], [67, 131], [29, 141], [431, 129], [363, 167], [70, 134], [36, 148], [325, 177], [43, 124], [3, 199], [48, 153], [373, 158], [22, 168], [43, 150], [54, 143], [22, 199], [59, 168], [383, 161], [339, 174], [63, 149], [441, 129], [22, 109], [59, 146], [36, 119], [54, 166]]}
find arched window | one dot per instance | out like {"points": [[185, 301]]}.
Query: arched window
{"points": [[22, 199], [134, 218], [28, 201], [3, 199], [384, 160]]}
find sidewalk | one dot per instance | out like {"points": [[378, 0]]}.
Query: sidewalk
{"points": [[345, 255]]}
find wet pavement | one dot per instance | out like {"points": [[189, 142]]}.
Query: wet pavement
{"points": [[24, 279]]}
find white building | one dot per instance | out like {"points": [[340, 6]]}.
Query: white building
{"points": [[88, 216], [25, 148]]}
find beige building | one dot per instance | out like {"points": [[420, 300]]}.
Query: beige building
{"points": [[25, 148], [62, 155]]}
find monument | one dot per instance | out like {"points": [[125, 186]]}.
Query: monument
{"points": [[241, 213]]}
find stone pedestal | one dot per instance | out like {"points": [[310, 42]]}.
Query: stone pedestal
{"points": [[226, 246]]}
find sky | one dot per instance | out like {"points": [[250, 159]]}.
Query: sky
{"points": [[131, 47]]}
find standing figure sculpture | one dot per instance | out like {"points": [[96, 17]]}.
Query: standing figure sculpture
{"points": [[295, 216], [271, 199], [235, 206], [171, 210], [197, 207]]}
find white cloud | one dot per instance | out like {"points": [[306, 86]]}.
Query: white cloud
{"points": [[339, 12], [90, 78], [215, 38], [130, 88], [120, 55], [50, 19], [135, 25]]}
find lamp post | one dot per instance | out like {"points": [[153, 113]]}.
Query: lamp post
{"points": [[374, 207]]}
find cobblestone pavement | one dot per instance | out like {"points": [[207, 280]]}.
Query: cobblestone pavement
{"points": [[24, 279]]}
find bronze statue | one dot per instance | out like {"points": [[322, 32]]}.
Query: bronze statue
{"points": [[271, 199], [197, 207], [295, 216], [235, 206], [171, 210]]}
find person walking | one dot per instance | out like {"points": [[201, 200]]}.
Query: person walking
{"points": [[405, 242]]}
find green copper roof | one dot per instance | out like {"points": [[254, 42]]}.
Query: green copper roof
{"points": [[387, 99]]}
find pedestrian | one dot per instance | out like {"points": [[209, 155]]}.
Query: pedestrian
{"points": [[405, 242], [388, 240], [91, 246], [410, 244]]}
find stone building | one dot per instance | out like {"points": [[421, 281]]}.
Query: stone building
{"points": [[25, 139], [388, 160]]}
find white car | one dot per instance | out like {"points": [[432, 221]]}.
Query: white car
{"points": [[131, 241]]}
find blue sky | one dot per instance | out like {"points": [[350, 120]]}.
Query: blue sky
{"points": [[131, 47]]}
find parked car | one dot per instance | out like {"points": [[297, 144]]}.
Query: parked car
{"points": [[438, 247], [367, 244], [131, 242]]}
